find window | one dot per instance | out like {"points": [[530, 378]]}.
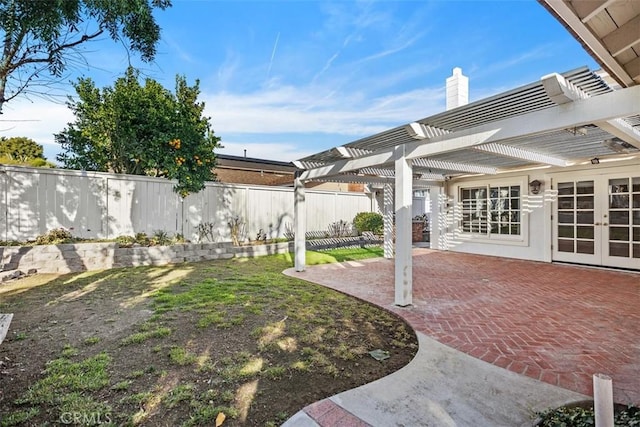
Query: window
{"points": [[491, 210]]}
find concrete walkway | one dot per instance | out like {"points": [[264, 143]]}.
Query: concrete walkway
{"points": [[499, 339]]}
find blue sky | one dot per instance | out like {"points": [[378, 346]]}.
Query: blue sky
{"points": [[284, 79]]}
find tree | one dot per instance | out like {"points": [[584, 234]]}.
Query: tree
{"points": [[141, 130], [22, 151], [42, 37]]}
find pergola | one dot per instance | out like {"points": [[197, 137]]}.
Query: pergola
{"points": [[560, 120]]}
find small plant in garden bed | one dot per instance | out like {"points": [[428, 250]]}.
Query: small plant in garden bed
{"points": [[580, 416], [55, 237]]}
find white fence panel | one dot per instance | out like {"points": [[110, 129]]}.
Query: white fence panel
{"points": [[269, 210], [34, 201], [22, 201]]}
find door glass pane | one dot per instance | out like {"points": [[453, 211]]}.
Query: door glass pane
{"points": [[565, 231], [585, 232], [636, 218], [619, 249], [636, 200], [619, 185], [619, 233], [619, 217], [636, 234], [584, 187], [565, 202], [585, 247], [585, 202], [636, 251], [565, 245], [636, 184], [585, 217], [619, 201], [565, 188], [567, 218]]}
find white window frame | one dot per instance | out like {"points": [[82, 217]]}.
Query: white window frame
{"points": [[510, 239]]}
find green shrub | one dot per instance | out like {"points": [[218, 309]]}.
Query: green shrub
{"points": [[125, 241], [142, 239], [584, 417], [160, 237], [368, 221], [55, 237]]}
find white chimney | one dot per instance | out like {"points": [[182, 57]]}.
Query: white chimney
{"points": [[457, 89]]}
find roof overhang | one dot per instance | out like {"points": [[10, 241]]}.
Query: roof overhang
{"points": [[608, 29]]}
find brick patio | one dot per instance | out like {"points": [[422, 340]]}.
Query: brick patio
{"points": [[556, 323]]}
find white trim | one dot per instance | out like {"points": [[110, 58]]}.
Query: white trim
{"points": [[501, 239]]}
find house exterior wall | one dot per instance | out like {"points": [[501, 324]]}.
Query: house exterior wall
{"points": [[101, 205], [537, 226]]}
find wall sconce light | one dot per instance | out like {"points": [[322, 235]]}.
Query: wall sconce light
{"points": [[595, 161], [535, 186]]}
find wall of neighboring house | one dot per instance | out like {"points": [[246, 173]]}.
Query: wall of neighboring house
{"points": [[101, 205], [520, 224]]}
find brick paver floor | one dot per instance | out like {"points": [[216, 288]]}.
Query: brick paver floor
{"points": [[555, 323]]}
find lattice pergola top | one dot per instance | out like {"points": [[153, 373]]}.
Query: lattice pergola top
{"points": [[435, 147]]}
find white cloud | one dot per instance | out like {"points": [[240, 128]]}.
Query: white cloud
{"points": [[37, 120], [286, 110]]}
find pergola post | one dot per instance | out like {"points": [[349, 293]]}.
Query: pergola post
{"points": [[299, 220], [403, 201], [387, 215]]}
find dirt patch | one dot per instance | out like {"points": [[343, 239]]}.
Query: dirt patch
{"points": [[182, 344]]}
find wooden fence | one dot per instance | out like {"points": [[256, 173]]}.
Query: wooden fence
{"points": [[102, 205]]}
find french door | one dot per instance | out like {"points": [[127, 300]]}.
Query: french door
{"points": [[596, 220]]}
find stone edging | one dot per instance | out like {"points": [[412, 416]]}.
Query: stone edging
{"points": [[68, 258]]}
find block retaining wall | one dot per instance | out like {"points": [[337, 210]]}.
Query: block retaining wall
{"points": [[68, 258]]}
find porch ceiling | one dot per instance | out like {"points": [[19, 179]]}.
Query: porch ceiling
{"points": [[608, 29], [444, 137]]}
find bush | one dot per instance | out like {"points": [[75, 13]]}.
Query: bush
{"points": [[582, 417], [160, 237], [125, 241], [368, 221], [55, 237]]}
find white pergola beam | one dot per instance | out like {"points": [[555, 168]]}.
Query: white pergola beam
{"points": [[564, 11], [358, 179], [344, 152], [612, 105], [519, 153], [453, 166], [562, 92], [559, 90], [621, 129]]}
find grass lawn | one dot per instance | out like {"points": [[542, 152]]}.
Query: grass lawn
{"points": [[188, 344]]}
